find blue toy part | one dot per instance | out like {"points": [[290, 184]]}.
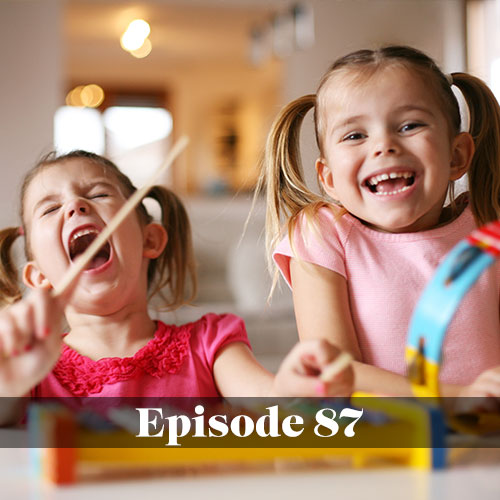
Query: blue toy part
{"points": [[436, 308], [442, 296]]}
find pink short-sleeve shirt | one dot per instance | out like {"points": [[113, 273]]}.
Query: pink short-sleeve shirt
{"points": [[386, 274], [176, 362]]}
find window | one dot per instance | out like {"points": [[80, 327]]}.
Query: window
{"points": [[135, 137]]}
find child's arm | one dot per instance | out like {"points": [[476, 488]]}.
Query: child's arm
{"points": [[238, 374], [30, 342], [322, 311], [328, 316]]}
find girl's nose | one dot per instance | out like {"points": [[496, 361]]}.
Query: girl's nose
{"points": [[385, 148], [382, 151], [78, 206]]}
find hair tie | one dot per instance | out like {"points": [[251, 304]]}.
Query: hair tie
{"points": [[20, 231], [463, 108]]}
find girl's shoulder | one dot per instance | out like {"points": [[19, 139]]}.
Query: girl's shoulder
{"points": [[208, 324], [319, 212], [321, 224], [319, 236], [213, 331]]}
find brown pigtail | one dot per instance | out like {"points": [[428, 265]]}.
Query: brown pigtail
{"points": [[10, 290], [175, 268], [484, 172]]}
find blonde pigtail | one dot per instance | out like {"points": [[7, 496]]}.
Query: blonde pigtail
{"points": [[10, 290], [282, 176], [175, 268], [484, 172]]}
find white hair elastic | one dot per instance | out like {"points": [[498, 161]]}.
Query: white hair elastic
{"points": [[462, 105]]}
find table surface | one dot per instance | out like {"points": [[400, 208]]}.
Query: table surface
{"points": [[474, 475]]}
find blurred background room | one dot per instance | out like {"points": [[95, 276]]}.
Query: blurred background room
{"points": [[125, 79]]}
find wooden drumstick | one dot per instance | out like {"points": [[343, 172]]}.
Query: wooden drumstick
{"points": [[342, 361], [82, 261]]}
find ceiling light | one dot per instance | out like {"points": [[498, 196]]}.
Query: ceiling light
{"points": [[143, 50], [135, 35]]}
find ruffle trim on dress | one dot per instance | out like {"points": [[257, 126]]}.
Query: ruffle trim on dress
{"points": [[163, 354]]}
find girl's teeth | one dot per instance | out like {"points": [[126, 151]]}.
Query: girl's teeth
{"points": [[384, 177], [390, 183], [83, 232], [392, 192]]}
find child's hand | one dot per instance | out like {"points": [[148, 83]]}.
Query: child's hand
{"points": [[299, 374], [30, 342], [482, 394]]}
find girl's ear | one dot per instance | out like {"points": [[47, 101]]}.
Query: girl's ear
{"points": [[34, 278], [461, 155], [155, 240], [326, 178]]}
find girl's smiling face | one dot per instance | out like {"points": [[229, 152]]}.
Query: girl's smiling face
{"points": [[388, 155], [65, 206]]}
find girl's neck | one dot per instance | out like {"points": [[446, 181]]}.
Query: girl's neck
{"points": [[120, 334]]}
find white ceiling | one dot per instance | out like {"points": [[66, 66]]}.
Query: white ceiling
{"points": [[183, 33]]}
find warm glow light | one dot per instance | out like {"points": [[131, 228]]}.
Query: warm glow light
{"points": [[129, 42], [143, 50], [135, 35], [140, 28], [92, 95], [89, 96], [74, 96]]}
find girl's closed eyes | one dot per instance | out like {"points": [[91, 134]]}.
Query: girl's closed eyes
{"points": [[100, 195], [50, 209]]}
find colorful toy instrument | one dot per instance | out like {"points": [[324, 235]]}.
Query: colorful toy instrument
{"points": [[439, 302]]}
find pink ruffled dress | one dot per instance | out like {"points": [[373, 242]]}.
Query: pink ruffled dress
{"points": [[176, 362]]}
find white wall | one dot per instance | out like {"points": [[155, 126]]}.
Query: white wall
{"points": [[434, 26], [484, 41], [30, 69]]}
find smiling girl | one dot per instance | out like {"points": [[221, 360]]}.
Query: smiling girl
{"points": [[357, 257], [113, 347]]}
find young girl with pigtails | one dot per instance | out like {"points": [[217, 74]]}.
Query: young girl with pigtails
{"points": [[113, 347], [357, 257]]}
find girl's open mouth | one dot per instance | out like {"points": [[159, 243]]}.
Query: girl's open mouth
{"points": [[79, 242], [390, 183]]}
